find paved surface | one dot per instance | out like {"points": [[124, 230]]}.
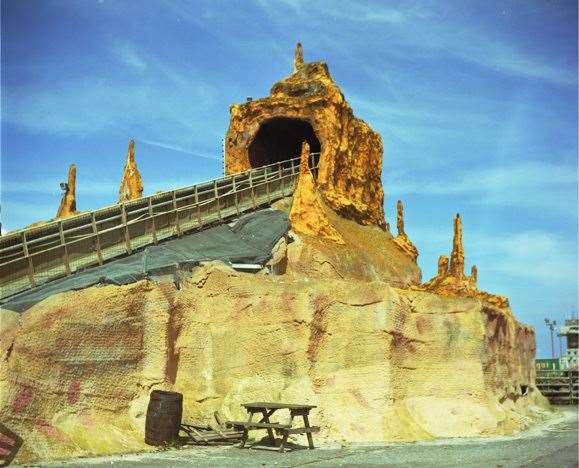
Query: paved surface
{"points": [[553, 444]]}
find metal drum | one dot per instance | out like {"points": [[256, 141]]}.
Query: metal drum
{"points": [[163, 417]]}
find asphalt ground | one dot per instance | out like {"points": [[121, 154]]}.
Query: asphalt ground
{"points": [[551, 444]]}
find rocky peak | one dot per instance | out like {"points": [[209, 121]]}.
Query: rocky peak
{"points": [[308, 106], [402, 240], [298, 57], [457, 255], [67, 206], [451, 281], [131, 186]]}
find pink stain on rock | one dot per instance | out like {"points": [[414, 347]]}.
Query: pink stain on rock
{"points": [[46, 428], [85, 419], [22, 400], [73, 393]]}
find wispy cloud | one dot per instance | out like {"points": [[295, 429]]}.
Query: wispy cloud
{"points": [[426, 30], [525, 184], [179, 149], [90, 187], [543, 257], [128, 55], [505, 259], [93, 107]]}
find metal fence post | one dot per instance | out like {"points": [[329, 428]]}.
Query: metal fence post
{"points": [[199, 219], [153, 224], [251, 187], [98, 242], [235, 195], [217, 198], [30, 264], [63, 243], [267, 186], [177, 226], [127, 235]]}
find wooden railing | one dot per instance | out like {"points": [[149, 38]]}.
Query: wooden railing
{"points": [[34, 256]]}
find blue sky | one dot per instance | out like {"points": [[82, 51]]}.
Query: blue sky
{"points": [[476, 102]]}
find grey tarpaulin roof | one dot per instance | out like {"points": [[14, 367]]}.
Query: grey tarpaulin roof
{"points": [[249, 240]]}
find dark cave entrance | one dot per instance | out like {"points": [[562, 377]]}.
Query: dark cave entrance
{"points": [[281, 138]]}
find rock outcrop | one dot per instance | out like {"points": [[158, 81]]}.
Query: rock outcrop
{"points": [[402, 240], [451, 280], [457, 253], [381, 363], [131, 186], [309, 106], [308, 213], [67, 207], [298, 57]]}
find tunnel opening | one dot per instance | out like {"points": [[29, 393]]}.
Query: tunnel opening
{"points": [[280, 139]]}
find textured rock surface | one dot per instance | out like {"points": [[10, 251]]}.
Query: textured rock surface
{"points": [[308, 213], [457, 253], [131, 186], [451, 281], [368, 254], [351, 152], [380, 363], [402, 240], [298, 57], [67, 206]]}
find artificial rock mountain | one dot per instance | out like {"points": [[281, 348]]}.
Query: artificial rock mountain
{"points": [[346, 324], [309, 106]]}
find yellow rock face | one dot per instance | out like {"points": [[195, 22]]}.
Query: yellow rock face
{"points": [[382, 364], [131, 186], [308, 105], [364, 253], [67, 206], [402, 240], [308, 213]]}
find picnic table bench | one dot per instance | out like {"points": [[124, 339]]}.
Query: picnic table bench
{"points": [[267, 409]]}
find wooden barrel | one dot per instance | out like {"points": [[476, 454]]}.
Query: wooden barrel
{"points": [[163, 417]]}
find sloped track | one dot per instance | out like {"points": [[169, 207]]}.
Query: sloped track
{"points": [[34, 256]]}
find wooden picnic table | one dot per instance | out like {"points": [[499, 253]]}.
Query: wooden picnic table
{"points": [[267, 409]]}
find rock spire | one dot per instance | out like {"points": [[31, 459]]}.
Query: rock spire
{"points": [[131, 184], [67, 206], [451, 280], [308, 213], [457, 255], [442, 266], [298, 57], [473, 274], [400, 217], [402, 240]]}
